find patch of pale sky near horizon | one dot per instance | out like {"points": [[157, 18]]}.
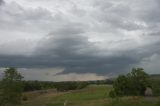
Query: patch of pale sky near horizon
{"points": [[52, 74]]}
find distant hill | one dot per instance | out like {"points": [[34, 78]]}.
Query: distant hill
{"points": [[155, 76]]}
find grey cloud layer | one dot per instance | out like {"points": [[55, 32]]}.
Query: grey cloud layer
{"points": [[96, 36], [1, 2]]}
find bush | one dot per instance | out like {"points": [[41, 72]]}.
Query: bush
{"points": [[37, 85], [156, 87], [132, 84], [112, 94], [65, 86]]}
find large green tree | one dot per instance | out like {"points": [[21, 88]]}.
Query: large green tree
{"points": [[134, 83], [11, 87]]}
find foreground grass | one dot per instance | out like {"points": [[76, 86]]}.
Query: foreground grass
{"points": [[135, 101], [93, 95], [90, 96]]}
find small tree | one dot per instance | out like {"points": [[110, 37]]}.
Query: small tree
{"points": [[121, 85], [112, 94], [138, 81], [11, 87]]}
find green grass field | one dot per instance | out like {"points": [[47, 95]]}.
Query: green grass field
{"points": [[93, 95]]}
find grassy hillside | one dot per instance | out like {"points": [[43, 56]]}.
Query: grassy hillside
{"points": [[93, 95]]}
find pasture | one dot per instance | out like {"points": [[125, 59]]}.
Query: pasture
{"points": [[93, 95]]}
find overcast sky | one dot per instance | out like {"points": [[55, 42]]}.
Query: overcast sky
{"points": [[79, 39]]}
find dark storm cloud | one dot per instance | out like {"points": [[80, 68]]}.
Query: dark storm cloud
{"points": [[130, 34], [68, 49], [79, 63]]}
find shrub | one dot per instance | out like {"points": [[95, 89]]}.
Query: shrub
{"points": [[132, 84], [65, 86], [112, 94], [156, 87]]}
